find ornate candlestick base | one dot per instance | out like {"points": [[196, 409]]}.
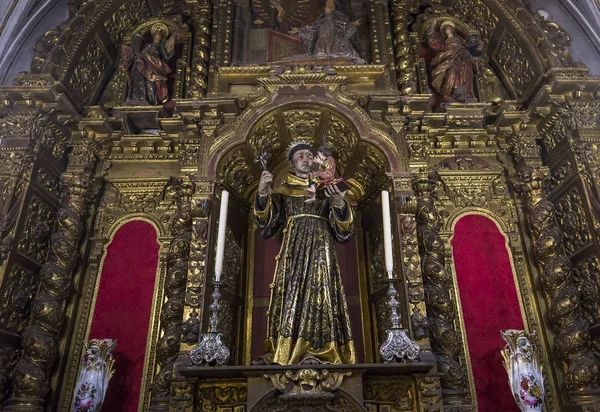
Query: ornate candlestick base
{"points": [[397, 345], [211, 348]]}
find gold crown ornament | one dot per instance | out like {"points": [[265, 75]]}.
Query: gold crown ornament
{"points": [[447, 23], [159, 27]]}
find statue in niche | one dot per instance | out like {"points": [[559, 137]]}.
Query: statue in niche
{"points": [[453, 63], [308, 320], [331, 36], [150, 68]]}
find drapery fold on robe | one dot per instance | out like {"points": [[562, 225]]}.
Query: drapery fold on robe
{"points": [[452, 66], [308, 314]]}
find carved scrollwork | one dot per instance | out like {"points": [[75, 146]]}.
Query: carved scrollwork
{"points": [[90, 69], [302, 123], [308, 380], [182, 397], [8, 359], [570, 213], [211, 396], [512, 60], [265, 139], [18, 290], [202, 22], [586, 276], [38, 226], [238, 174], [342, 139], [40, 339], [571, 329], [397, 393], [430, 396], [126, 18], [175, 283], [445, 340]]}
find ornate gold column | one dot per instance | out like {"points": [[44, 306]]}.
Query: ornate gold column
{"points": [[31, 160], [441, 312], [562, 297], [202, 22], [405, 67], [175, 283], [40, 339]]}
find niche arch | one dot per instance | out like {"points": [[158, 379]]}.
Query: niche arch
{"points": [[129, 281], [490, 299]]}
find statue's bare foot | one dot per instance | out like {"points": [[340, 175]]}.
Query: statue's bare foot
{"points": [[310, 361], [259, 362]]}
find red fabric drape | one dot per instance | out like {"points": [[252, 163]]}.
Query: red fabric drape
{"points": [[489, 303], [123, 308]]}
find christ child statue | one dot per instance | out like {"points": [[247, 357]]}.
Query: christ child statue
{"points": [[325, 174]]}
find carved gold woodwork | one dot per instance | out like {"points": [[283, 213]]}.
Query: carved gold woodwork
{"points": [[441, 311], [581, 369], [378, 120], [171, 313], [40, 338]]}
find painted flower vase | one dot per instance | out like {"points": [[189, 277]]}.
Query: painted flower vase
{"points": [[96, 370], [524, 372]]}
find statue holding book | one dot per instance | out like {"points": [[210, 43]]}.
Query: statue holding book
{"points": [[307, 320]]}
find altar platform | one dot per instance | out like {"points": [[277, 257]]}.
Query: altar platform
{"points": [[373, 387]]}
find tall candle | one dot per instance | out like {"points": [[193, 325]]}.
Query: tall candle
{"points": [[387, 233], [221, 235]]}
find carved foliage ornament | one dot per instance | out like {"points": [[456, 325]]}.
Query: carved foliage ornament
{"points": [[175, 285], [445, 340], [571, 329], [40, 338]]}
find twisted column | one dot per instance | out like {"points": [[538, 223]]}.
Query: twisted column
{"points": [[40, 339], [202, 22], [175, 283], [562, 296], [405, 72], [441, 312]]}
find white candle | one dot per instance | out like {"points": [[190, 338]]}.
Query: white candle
{"points": [[221, 235], [387, 233]]}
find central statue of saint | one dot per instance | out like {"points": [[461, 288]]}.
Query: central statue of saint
{"points": [[307, 321]]}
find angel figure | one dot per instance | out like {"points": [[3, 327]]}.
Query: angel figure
{"points": [[453, 64], [96, 371], [150, 70]]}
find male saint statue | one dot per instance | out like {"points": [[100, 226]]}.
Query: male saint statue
{"points": [[307, 320]]}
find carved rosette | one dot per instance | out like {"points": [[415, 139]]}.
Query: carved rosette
{"points": [[175, 284], [40, 339], [441, 312], [562, 296]]}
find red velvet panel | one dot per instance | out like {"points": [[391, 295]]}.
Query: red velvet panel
{"points": [[490, 304], [123, 308]]}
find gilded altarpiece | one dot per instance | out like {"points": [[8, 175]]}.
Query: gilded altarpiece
{"points": [[516, 142]]}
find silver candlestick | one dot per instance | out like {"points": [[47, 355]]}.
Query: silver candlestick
{"points": [[211, 349], [397, 345]]}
